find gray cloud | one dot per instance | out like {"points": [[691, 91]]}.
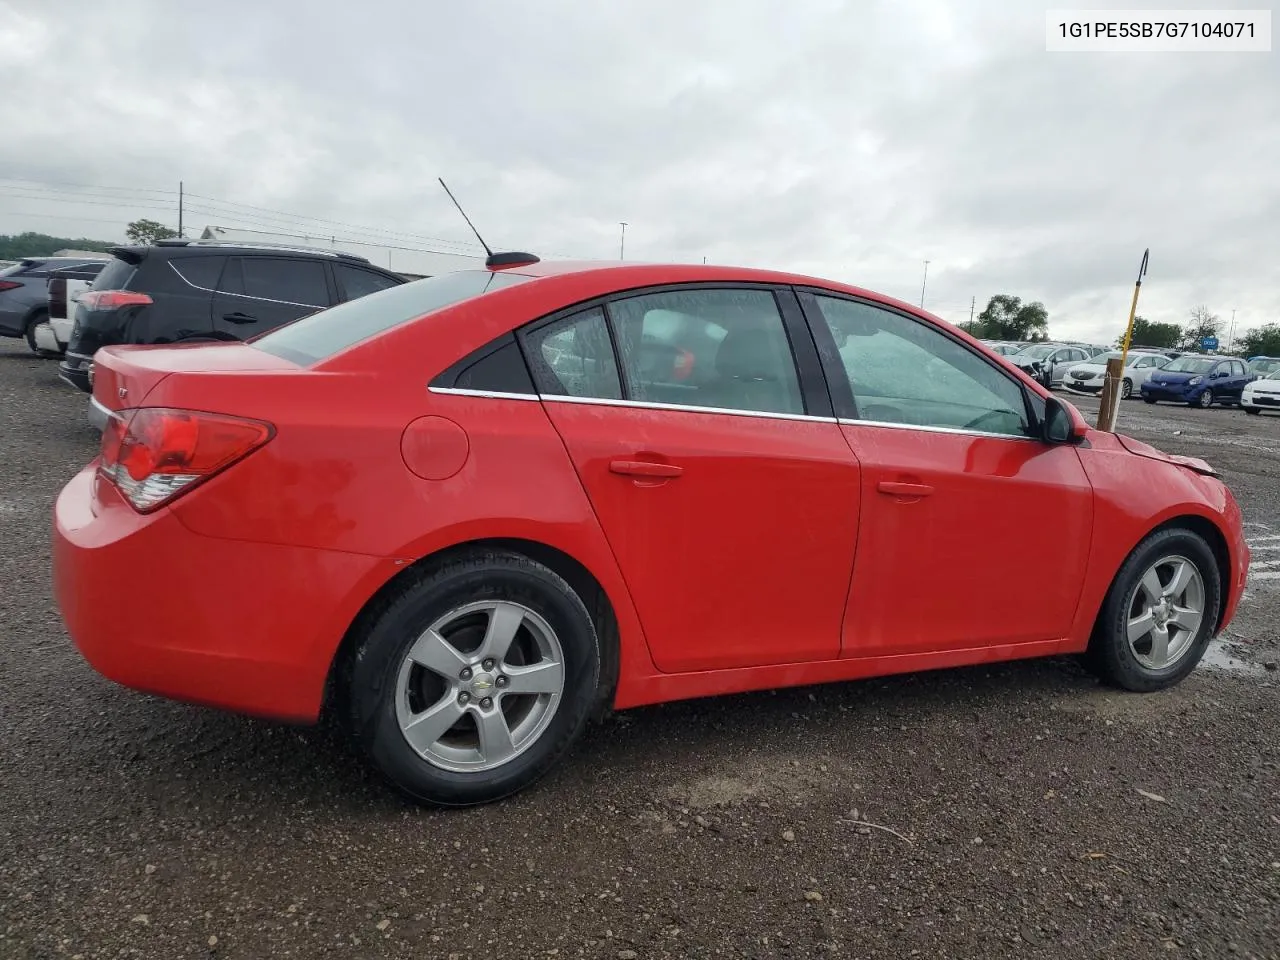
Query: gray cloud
{"points": [[840, 139]]}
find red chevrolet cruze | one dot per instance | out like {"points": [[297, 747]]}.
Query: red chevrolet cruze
{"points": [[467, 512]]}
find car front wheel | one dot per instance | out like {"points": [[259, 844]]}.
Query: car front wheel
{"points": [[1159, 614], [1204, 401], [472, 679], [1126, 389], [1253, 410]]}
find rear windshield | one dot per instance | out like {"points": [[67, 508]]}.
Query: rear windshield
{"points": [[114, 276], [326, 332]]}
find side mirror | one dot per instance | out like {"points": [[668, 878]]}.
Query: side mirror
{"points": [[1059, 425]]}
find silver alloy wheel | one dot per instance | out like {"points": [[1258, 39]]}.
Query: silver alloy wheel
{"points": [[479, 686], [1166, 610], [1206, 399], [1126, 389]]}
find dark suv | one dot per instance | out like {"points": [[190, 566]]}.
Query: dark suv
{"points": [[189, 290]]}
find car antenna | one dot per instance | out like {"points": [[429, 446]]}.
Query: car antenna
{"points": [[493, 259]]}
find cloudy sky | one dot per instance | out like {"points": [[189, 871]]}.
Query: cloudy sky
{"points": [[853, 140]]}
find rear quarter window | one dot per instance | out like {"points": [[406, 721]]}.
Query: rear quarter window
{"points": [[327, 332], [115, 276]]}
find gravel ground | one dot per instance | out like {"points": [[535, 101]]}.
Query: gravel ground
{"points": [[1020, 810]]}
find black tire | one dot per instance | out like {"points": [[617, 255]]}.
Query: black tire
{"points": [[1204, 401], [1126, 389], [33, 321], [1110, 655], [1252, 411], [387, 632], [1148, 400]]}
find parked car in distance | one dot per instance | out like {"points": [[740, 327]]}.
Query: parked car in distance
{"points": [[1002, 347], [452, 548], [1197, 380], [1048, 362], [200, 290], [1089, 377], [1264, 366], [65, 287], [24, 294], [1262, 393]]}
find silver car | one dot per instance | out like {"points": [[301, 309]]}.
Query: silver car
{"points": [[1049, 362]]}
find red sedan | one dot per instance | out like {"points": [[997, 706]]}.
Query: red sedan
{"points": [[467, 512]]}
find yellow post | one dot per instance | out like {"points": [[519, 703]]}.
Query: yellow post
{"points": [[1109, 404]]}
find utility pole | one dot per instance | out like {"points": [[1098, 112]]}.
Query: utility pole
{"points": [[179, 209], [622, 246], [973, 302], [1231, 337], [923, 283]]}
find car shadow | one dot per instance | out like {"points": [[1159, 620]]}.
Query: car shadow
{"points": [[173, 759]]}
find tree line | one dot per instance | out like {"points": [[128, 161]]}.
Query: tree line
{"points": [[1008, 318]]}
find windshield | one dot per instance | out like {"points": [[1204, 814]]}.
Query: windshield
{"points": [[1189, 365], [1037, 352], [326, 332], [1266, 366]]}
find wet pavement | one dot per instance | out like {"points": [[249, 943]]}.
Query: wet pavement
{"points": [[1016, 810]]}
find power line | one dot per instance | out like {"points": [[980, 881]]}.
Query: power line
{"points": [[131, 204], [90, 186], [54, 216]]}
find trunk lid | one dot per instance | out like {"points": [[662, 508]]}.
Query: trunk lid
{"points": [[124, 376]]}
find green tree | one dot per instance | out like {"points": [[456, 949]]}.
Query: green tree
{"points": [[148, 232], [30, 244], [1202, 324], [1008, 318], [1149, 334], [1260, 341]]}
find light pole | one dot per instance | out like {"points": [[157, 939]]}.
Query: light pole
{"points": [[923, 283], [1231, 337], [622, 246]]}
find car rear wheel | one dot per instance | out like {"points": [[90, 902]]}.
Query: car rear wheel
{"points": [[472, 679], [1205, 400], [1126, 389], [37, 318], [1159, 614]]}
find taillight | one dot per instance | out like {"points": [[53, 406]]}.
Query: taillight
{"points": [[153, 454], [113, 299], [8, 285]]}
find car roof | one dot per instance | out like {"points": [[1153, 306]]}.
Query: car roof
{"points": [[623, 274]]}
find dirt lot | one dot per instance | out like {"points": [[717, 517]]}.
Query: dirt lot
{"points": [[1026, 810]]}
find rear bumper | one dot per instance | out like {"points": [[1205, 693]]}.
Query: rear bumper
{"points": [[46, 339], [75, 371], [247, 627]]}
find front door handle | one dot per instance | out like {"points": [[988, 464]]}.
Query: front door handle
{"points": [[894, 488], [239, 317], [645, 468]]}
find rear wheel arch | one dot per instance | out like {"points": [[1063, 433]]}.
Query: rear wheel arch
{"points": [[584, 583]]}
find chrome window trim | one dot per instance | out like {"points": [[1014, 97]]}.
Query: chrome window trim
{"points": [[728, 411], [490, 394], [932, 429], [687, 408]]}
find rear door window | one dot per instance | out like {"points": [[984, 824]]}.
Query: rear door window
{"points": [[288, 281], [116, 275]]}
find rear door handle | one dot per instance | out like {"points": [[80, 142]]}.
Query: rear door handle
{"points": [[644, 468], [896, 489], [239, 317]]}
